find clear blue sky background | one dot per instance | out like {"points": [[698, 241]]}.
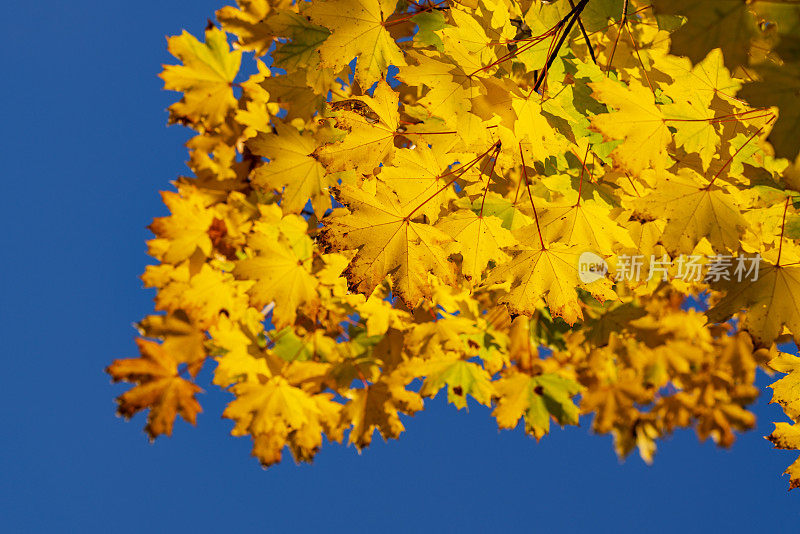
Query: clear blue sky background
{"points": [[88, 149]]}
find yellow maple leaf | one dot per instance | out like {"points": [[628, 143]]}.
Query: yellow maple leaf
{"points": [[450, 88], [247, 22], [184, 341], [273, 409], [370, 138], [547, 274], [185, 230], [699, 94], [694, 129], [358, 30], [418, 175], [787, 436], [725, 24], [585, 224], [291, 169], [304, 39], [695, 208], [479, 239], [281, 277], [541, 18], [380, 315], [389, 242], [772, 301], [259, 110], [242, 358], [441, 338], [532, 129], [466, 42], [461, 377], [205, 78], [204, 296], [378, 406], [293, 92], [786, 391], [636, 121], [537, 398], [701, 82]]}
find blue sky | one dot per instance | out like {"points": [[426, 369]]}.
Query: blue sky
{"points": [[88, 148]]}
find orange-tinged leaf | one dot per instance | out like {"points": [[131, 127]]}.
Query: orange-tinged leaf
{"points": [[159, 388], [786, 391]]}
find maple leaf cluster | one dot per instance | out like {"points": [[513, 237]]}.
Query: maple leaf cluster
{"points": [[394, 204]]}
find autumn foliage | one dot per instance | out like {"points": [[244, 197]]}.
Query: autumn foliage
{"points": [[390, 200]]}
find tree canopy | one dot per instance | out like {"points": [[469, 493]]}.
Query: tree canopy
{"points": [[553, 209]]}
